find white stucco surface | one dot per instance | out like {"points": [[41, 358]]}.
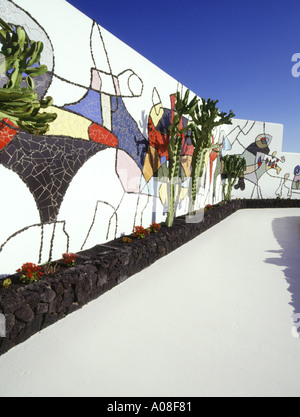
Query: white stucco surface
{"points": [[213, 318]]}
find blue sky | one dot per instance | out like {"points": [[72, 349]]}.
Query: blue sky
{"points": [[239, 52]]}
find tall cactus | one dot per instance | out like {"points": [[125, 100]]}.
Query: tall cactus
{"points": [[233, 167], [182, 108], [206, 118], [203, 120], [21, 105]]}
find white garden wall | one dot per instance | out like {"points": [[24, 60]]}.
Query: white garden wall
{"points": [[94, 175]]}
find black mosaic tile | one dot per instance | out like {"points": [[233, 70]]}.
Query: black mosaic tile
{"points": [[47, 165]]}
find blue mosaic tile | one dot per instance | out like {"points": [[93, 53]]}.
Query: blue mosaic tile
{"points": [[89, 107], [126, 130]]}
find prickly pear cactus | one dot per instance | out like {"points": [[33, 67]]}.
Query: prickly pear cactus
{"points": [[21, 105]]}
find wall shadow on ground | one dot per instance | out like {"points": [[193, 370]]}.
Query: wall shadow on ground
{"points": [[287, 233]]}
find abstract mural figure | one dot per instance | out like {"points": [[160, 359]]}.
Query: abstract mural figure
{"points": [[296, 180], [290, 186], [284, 189], [47, 164], [259, 161]]}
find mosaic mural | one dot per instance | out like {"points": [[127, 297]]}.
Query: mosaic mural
{"points": [[270, 173], [100, 168]]}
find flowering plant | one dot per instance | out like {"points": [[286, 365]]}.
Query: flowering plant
{"points": [[126, 239], [155, 227], [139, 232], [69, 259], [7, 283], [208, 207], [29, 273]]}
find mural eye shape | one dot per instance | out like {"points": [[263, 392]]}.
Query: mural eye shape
{"points": [[130, 84]]}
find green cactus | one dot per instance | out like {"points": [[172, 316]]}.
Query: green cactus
{"points": [[203, 120], [21, 105], [182, 108], [206, 118], [233, 167]]}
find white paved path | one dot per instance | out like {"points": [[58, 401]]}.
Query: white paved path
{"points": [[213, 318]]}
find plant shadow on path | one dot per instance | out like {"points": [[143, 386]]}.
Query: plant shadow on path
{"points": [[287, 233]]}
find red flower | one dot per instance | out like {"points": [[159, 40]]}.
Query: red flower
{"points": [[30, 273], [69, 259], [140, 232], [155, 227], [208, 207]]}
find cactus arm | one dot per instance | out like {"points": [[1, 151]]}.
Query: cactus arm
{"points": [[206, 118], [234, 167], [182, 108], [21, 105], [198, 163], [174, 166]]}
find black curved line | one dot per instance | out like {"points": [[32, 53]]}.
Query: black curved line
{"points": [[94, 219], [134, 95], [155, 105], [35, 225], [115, 214]]}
